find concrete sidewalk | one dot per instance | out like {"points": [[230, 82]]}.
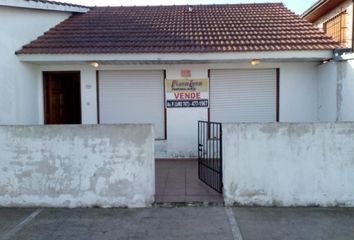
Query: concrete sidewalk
{"points": [[177, 223]]}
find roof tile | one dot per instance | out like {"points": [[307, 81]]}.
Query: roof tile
{"points": [[174, 29]]}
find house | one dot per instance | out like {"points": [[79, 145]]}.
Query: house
{"points": [[335, 18], [248, 88], [167, 65]]}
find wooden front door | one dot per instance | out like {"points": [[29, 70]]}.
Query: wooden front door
{"points": [[62, 98]]}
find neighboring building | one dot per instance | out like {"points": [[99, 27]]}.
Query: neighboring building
{"points": [[21, 22], [169, 65], [336, 78], [335, 18]]}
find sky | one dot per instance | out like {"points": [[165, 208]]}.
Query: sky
{"points": [[297, 6]]}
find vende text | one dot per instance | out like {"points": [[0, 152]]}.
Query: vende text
{"points": [[183, 96]]}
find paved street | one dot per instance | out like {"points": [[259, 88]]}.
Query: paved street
{"points": [[177, 223]]}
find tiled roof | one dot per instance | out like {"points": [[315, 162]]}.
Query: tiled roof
{"points": [[182, 29], [57, 3]]}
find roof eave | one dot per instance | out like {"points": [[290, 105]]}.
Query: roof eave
{"points": [[318, 55], [313, 7], [320, 8], [49, 6]]}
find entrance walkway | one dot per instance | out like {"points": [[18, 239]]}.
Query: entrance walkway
{"points": [[177, 181]]}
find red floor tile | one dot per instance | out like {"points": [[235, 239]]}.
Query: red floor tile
{"points": [[177, 181]]}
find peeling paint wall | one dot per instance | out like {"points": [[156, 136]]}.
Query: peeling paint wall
{"points": [[284, 164], [336, 91], [346, 81], [77, 166]]}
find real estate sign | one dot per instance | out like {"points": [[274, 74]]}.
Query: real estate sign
{"points": [[187, 93]]}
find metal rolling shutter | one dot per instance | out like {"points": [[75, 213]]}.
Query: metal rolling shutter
{"points": [[132, 97], [243, 95]]}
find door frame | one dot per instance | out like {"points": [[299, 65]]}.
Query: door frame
{"points": [[44, 92]]}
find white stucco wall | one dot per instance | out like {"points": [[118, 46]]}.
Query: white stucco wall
{"points": [[19, 81], [347, 7], [298, 92], [77, 166], [327, 92], [346, 90], [289, 164], [336, 91], [298, 98]]}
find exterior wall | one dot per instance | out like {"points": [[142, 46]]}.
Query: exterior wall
{"points": [[336, 91], [77, 166], [346, 90], [327, 92], [19, 81], [289, 164], [345, 6], [298, 99], [298, 92]]}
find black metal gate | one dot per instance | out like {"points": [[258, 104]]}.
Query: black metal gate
{"points": [[210, 154]]}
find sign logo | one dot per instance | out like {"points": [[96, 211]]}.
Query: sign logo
{"points": [[187, 93]]}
